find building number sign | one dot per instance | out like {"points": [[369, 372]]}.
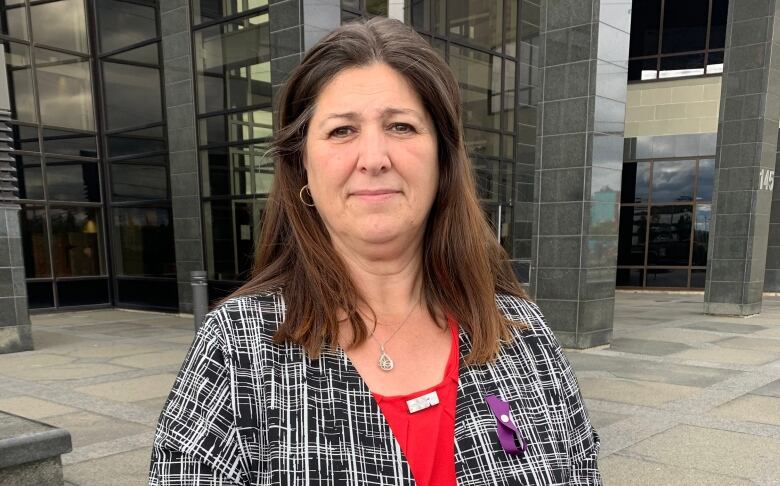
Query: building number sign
{"points": [[766, 179]]}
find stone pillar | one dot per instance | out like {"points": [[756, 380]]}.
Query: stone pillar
{"points": [[745, 163], [182, 144], [15, 332], [578, 169], [772, 272]]}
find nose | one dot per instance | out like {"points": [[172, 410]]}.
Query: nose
{"points": [[373, 156]]}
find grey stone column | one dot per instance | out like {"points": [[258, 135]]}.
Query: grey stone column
{"points": [[182, 144], [746, 155], [577, 176], [15, 331]]}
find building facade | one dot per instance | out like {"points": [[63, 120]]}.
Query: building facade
{"points": [[140, 131]]}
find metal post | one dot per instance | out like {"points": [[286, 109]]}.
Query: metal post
{"points": [[200, 296]]}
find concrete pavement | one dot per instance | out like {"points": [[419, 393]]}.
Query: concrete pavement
{"points": [[679, 398]]}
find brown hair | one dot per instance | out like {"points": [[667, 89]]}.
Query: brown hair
{"points": [[463, 264]]}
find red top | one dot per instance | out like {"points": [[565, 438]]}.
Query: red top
{"points": [[427, 437]]}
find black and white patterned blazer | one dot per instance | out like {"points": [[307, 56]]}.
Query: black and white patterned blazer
{"points": [[245, 411]]}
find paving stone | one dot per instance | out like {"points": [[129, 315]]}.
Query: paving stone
{"points": [[634, 391], [125, 469], [601, 419], [134, 389], [618, 469], [728, 355], [89, 428], [769, 390], [155, 404], [674, 335], [718, 451], [751, 408], [54, 341], [152, 360], [728, 327], [108, 350], [72, 371], [33, 408], [772, 332], [183, 339], [11, 363], [645, 346], [772, 345]]}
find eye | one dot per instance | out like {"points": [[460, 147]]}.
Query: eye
{"points": [[402, 128], [341, 132]]}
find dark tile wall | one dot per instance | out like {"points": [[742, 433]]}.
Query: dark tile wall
{"points": [[180, 108], [578, 169], [747, 148], [772, 273]]}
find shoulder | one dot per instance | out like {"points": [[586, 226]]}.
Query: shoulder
{"points": [[525, 311], [256, 315]]}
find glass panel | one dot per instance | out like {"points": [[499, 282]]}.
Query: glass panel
{"points": [[705, 180], [676, 66], [30, 178], [148, 293], [632, 235], [685, 25], [69, 143], [205, 10], [350, 4], [439, 17], [642, 69], [348, 17], [635, 186], [478, 21], [145, 55], [35, 242], [137, 180], [509, 95], [132, 95], [229, 170], [13, 20], [376, 7], [630, 277], [479, 78], [136, 142], [236, 127], [76, 234], [645, 25], [701, 234], [440, 46], [486, 177], [234, 64], [419, 14], [144, 241], [479, 142], [509, 147], [69, 180], [25, 138], [65, 90], [60, 24], [229, 229], [125, 22], [82, 292], [697, 278], [673, 181], [715, 62], [670, 235], [40, 295], [20, 82], [720, 10], [506, 182], [510, 29], [530, 19], [664, 277]]}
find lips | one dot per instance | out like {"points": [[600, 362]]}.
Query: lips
{"points": [[374, 192]]}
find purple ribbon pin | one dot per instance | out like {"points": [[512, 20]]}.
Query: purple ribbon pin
{"points": [[507, 431]]}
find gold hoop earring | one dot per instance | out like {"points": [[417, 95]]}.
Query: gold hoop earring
{"points": [[300, 196]]}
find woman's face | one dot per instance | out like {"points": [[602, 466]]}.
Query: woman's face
{"points": [[371, 157]]}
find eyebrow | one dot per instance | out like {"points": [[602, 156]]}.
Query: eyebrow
{"points": [[387, 112]]}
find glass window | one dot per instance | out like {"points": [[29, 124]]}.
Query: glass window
{"points": [[148, 293], [82, 292], [376, 7], [701, 234], [705, 183], [122, 23], [670, 235], [630, 277], [486, 178], [137, 180], [40, 295], [132, 95], [715, 62], [510, 30], [30, 179], [420, 14], [60, 24], [65, 90], [76, 234], [720, 10], [677, 66], [479, 142], [35, 242], [146, 140], [645, 27], [205, 10], [26, 138], [632, 235], [148, 54], [479, 78], [665, 277], [236, 127], [69, 143], [229, 229], [642, 69], [13, 20], [673, 181], [70, 180], [237, 171], [685, 25], [234, 64], [635, 186], [144, 241], [530, 19], [697, 278], [479, 22], [20, 82]]}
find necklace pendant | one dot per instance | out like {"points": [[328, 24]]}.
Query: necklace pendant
{"points": [[385, 362]]}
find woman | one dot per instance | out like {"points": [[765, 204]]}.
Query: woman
{"points": [[382, 338]]}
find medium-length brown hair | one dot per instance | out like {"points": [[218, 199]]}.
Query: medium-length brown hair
{"points": [[463, 266]]}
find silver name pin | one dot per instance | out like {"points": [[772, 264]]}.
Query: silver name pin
{"points": [[422, 402]]}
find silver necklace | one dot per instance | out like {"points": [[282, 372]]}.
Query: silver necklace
{"points": [[385, 362]]}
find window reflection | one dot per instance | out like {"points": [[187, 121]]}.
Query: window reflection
{"points": [[236, 127], [123, 23], [65, 90], [233, 64], [132, 95], [705, 180], [243, 170], [69, 143], [479, 22], [229, 229], [76, 234], [26, 138], [60, 24], [204, 10], [145, 241], [666, 277], [632, 235], [13, 20], [30, 179], [673, 181], [670, 235], [701, 234], [139, 179], [148, 54], [69, 180], [35, 242], [636, 183], [685, 25], [146, 140], [479, 78], [479, 142], [20, 84]]}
